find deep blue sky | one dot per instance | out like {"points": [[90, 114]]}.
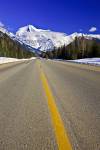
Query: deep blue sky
{"points": [[58, 15]]}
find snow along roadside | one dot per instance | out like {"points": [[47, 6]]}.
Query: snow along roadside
{"points": [[4, 60], [88, 61]]}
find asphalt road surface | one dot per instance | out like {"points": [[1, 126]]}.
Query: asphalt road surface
{"points": [[45, 103]]}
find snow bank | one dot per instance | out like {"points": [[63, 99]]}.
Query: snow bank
{"points": [[8, 60], [91, 61]]}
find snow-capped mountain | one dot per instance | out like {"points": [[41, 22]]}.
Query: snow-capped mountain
{"points": [[33, 37], [41, 39], [44, 40]]}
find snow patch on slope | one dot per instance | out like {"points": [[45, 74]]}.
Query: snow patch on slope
{"points": [[3, 30]]}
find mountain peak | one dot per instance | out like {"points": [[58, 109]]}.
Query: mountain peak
{"points": [[28, 28], [31, 28]]}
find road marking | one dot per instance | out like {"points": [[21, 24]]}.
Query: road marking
{"points": [[60, 133]]}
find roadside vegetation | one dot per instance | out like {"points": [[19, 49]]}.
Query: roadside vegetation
{"points": [[12, 48]]}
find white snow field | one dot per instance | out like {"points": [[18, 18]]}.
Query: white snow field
{"points": [[91, 61], [8, 60]]}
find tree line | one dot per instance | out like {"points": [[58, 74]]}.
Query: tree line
{"points": [[12, 48], [79, 48]]}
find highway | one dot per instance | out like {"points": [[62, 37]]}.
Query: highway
{"points": [[49, 105]]}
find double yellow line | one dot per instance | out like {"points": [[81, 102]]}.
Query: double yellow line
{"points": [[60, 133]]}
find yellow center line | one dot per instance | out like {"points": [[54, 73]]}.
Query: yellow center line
{"points": [[60, 132]]}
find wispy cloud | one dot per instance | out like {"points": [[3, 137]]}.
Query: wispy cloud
{"points": [[92, 29], [1, 24], [80, 30]]}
